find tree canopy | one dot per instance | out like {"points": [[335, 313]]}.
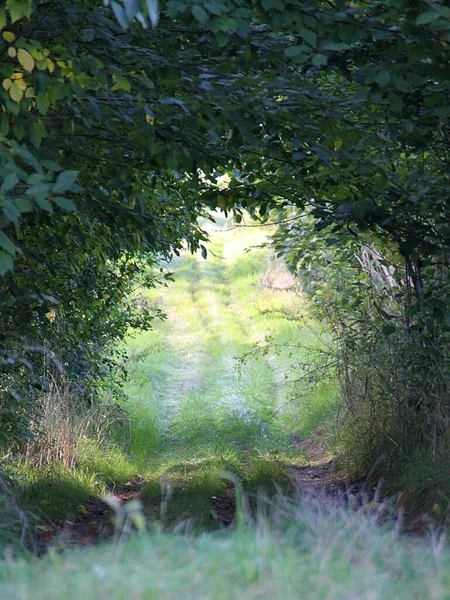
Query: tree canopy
{"points": [[113, 137], [342, 104]]}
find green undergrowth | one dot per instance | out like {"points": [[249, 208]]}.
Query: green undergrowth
{"points": [[288, 550], [55, 492], [16, 525], [58, 491], [422, 481], [183, 487]]}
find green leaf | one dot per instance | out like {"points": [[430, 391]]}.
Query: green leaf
{"points": [[36, 178], [121, 83], [23, 204], [214, 9], [39, 189], [26, 60], [30, 159], [175, 7], [401, 84], [2, 18], [65, 181], [10, 211], [44, 204], [395, 102], [382, 78], [295, 51], [7, 244], [65, 203], [200, 14], [310, 37], [15, 92], [37, 132], [6, 262], [10, 181], [222, 38], [51, 165], [8, 36], [18, 9], [427, 17], [42, 102], [319, 60]]}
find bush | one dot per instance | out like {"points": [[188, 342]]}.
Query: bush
{"points": [[389, 344]]}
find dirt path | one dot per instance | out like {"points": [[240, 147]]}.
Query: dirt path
{"points": [[96, 523]]}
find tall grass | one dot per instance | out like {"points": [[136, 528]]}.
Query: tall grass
{"points": [[217, 395], [308, 548], [395, 385], [221, 386], [75, 452], [16, 524], [390, 346], [224, 373]]}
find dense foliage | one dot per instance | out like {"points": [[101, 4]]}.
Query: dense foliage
{"points": [[80, 236], [113, 137]]}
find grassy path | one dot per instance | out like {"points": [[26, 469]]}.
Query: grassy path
{"points": [[208, 394], [217, 311]]}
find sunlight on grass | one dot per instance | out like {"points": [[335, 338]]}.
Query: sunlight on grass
{"points": [[57, 492], [220, 397], [223, 373], [221, 386]]}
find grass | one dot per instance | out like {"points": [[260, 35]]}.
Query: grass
{"points": [[309, 548], [223, 375], [55, 492], [218, 388], [75, 453], [217, 394], [16, 526]]}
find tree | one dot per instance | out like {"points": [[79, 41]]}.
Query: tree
{"points": [[115, 134]]}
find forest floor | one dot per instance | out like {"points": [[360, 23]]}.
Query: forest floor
{"points": [[319, 477]]}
